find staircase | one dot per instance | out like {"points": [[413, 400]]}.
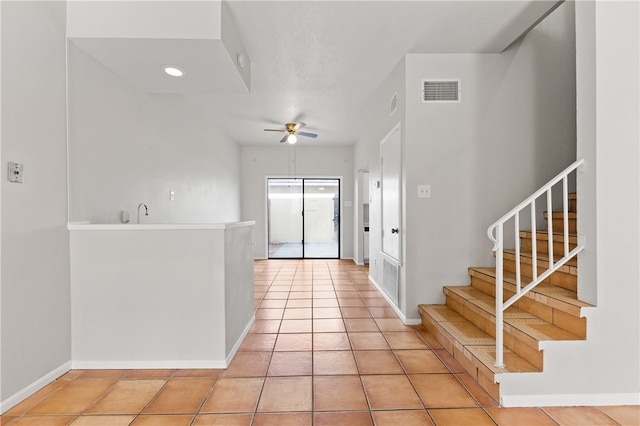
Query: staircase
{"points": [[466, 325]]}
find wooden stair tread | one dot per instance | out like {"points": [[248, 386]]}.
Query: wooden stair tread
{"points": [[513, 362], [573, 196], [555, 296], [475, 341], [541, 257], [560, 215], [557, 236], [538, 330], [485, 303], [530, 328]]}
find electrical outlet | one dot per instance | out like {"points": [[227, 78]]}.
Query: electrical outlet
{"points": [[16, 172], [172, 196], [424, 191]]}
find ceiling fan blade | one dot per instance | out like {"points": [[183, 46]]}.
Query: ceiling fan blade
{"points": [[299, 125], [283, 140], [309, 135], [275, 130]]}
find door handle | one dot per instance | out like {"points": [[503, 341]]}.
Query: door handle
{"points": [[394, 230]]}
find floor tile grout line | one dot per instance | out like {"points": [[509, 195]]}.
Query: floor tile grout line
{"points": [[101, 397], [45, 397]]}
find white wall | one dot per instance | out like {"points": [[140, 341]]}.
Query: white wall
{"points": [[608, 92], [604, 369], [172, 19], [139, 299], [1, 161], [239, 292], [513, 130], [127, 147], [35, 325], [258, 163], [378, 123]]}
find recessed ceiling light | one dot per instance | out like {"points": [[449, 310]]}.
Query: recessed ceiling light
{"points": [[173, 71]]}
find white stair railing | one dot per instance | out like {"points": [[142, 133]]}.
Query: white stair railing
{"points": [[496, 234]]}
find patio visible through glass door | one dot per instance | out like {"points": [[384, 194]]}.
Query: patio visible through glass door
{"points": [[304, 218]]}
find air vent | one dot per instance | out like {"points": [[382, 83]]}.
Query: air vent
{"points": [[438, 91], [393, 104], [390, 278]]}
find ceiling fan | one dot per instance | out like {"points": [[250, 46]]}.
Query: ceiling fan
{"points": [[292, 130]]}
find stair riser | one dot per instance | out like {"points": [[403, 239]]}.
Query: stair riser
{"points": [[487, 322], [542, 245], [558, 225], [467, 361], [565, 319], [561, 279], [573, 205]]}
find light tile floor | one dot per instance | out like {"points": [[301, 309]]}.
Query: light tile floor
{"points": [[325, 349]]}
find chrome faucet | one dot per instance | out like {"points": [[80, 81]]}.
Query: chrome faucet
{"points": [[146, 210]]}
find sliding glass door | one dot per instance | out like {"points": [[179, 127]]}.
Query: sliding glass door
{"points": [[304, 218]]}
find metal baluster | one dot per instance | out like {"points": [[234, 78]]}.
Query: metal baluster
{"points": [[549, 227], [499, 285], [518, 274], [534, 241], [565, 214]]}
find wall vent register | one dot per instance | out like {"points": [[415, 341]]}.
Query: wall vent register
{"points": [[439, 91]]}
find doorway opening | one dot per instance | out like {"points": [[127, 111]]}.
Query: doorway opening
{"points": [[303, 218]]}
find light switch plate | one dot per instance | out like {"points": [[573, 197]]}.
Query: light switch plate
{"points": [[16, 172], [424, 191], [124, 216]]}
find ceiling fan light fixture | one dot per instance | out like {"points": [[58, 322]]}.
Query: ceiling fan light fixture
{"points": [[292, 138], [173, 71]]}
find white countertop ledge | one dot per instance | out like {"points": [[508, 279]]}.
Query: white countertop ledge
{"points": [[78, 226]]}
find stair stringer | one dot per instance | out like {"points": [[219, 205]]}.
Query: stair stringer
{"points": [[568, 376]]}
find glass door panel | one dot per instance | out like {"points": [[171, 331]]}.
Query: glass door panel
{"points": [[284, 208], [321, 218]]}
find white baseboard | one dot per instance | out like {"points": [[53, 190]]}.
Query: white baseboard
{"points": [[29, 390], [570, 400], [402, 316], [147, 364], [162, 364], [235, 348]]}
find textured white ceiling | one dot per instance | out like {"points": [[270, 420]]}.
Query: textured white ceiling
{"points": [[320, 61]]}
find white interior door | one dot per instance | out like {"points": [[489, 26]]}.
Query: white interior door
{"points": [[391, 172]]}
